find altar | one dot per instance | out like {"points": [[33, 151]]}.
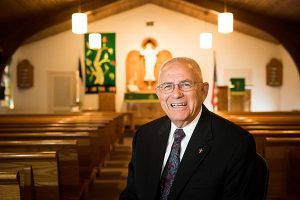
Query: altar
{"points": [[142, 68], [144, 106]]}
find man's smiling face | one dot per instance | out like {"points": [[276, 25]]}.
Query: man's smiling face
{"points": [[181, 106]]}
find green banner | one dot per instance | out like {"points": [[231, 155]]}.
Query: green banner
{"points": [[100, 69], [151, 97], [237, 84]]}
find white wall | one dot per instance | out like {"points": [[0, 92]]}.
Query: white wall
{"points": [[237, 54]]}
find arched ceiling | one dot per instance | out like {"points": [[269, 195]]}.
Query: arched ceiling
{"points": [[25, 21]]}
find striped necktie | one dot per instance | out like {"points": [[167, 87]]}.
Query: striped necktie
{"points": [[171, 166]]}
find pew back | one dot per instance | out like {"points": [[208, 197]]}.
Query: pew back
{"points": [[45, 170], [67, 155], [284, 163], [9, 185]]}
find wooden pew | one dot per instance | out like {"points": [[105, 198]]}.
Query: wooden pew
{"points": [[9, 185], [283, 156], [101, 139], [87, 149], [24, 176], [45, 171], [276, 139], [71, 186], [261, 135], [271, 127], [107, 128], [73, 118], [117, 121], [90, 118], [109, 125], [266, 124], [46, 128], [264, 118]]}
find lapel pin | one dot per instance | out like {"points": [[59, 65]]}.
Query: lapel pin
{"points": [[200, 151]]}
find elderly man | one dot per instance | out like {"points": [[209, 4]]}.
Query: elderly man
{"points": [[191, 153]]}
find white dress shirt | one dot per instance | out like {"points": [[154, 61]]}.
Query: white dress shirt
{"points": [[188, 130]]}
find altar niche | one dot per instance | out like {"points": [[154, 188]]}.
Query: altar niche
{"points": [[142, 66]]}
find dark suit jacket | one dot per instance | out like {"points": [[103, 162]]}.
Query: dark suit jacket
{"points": [[218, 164]]}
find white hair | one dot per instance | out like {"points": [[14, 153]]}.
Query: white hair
{"points": [[190, 63]]}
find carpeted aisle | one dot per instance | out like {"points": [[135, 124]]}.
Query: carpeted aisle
{"points": [[112, 178]]}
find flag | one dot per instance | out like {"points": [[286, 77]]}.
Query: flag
{"points": [[80, 70], [79, 82], [214, 96]]}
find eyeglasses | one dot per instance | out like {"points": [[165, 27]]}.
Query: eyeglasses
{"points": [[184, 86]]}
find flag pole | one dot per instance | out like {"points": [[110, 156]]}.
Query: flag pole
{"points": [[78, 82], [214, 97]]}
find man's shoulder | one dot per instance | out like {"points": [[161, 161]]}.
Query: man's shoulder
{"points": [[224, 125], [155, 123], [151, 129]]}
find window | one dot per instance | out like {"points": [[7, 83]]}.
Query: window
{"points": [[6, 100]]}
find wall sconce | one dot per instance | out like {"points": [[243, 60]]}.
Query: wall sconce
{"points": [[225, 21], [95, 40], [205, 40]]}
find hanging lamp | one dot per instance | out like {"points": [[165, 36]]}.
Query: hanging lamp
{"points": [[79, 21], [205, 37], [95, 40], [225, 21], [205, 40]]}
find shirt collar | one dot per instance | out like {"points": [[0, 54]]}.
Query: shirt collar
{"points": [[188, 129]]}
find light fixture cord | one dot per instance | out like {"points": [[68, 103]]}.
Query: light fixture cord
{"points": [[225, 6], [205, 20], [79, 6]]}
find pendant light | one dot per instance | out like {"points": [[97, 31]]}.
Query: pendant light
{"points": [[205, 40], [79, 21], [205, 37], [95, 40], [225, 21]]}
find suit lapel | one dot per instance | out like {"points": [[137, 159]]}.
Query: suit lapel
{"points": [[157, 157], [194, 154]]}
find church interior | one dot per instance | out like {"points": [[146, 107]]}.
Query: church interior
{"points": [[69, 110]]}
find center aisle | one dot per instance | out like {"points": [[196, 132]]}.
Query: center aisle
{"points": [[113, 175]]}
